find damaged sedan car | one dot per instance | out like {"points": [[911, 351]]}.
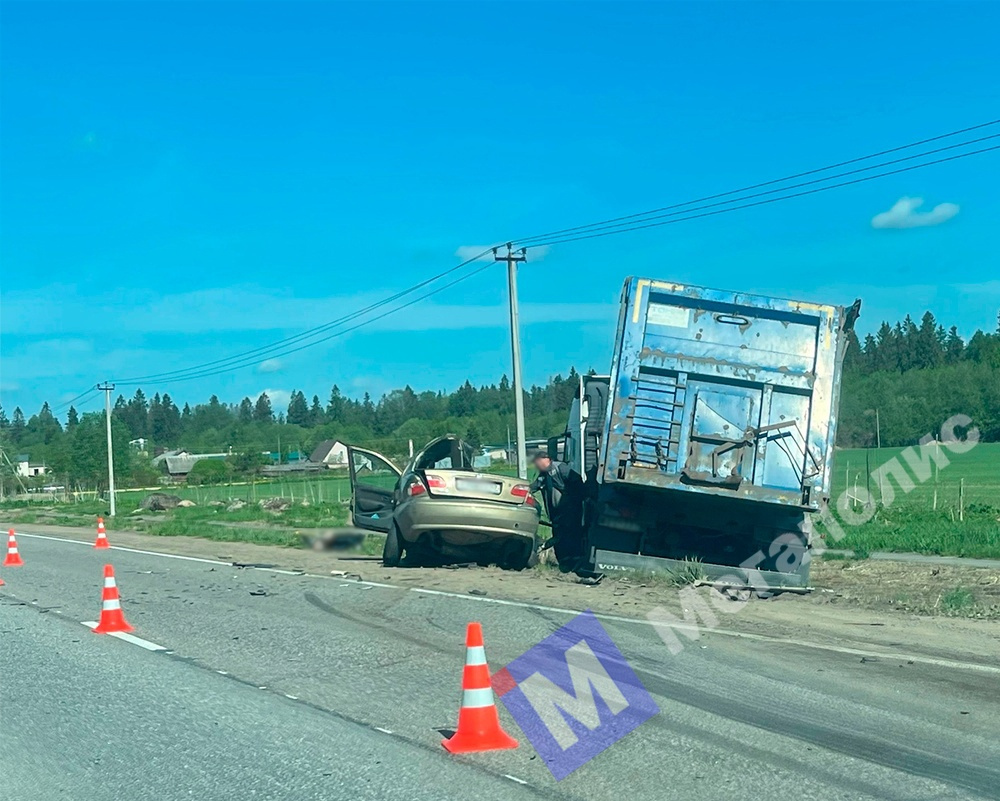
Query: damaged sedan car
{"points": [[440, 508]]}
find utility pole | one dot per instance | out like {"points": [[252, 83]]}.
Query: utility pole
{"points": [[107, 389], [512, 259]]}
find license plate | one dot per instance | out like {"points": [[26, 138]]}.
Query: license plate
{"points": [[477, 485]]}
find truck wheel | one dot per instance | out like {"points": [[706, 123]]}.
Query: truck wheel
{"points": [[392, 551]]}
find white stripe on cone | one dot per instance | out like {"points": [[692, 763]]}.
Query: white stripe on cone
{"points": [[477, 698], [112, 604], [475, 655]]}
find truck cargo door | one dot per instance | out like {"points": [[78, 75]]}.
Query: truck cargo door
{"points": [[719, 448]]}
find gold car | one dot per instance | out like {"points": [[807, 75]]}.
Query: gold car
{"points": [[440, 508]]}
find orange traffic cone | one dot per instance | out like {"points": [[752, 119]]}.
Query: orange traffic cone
{"points": [[102, 535], [478, 722], [112, 619], [13, 557]]}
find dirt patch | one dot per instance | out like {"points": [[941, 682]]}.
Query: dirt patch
{"points": [[952, 591], [862, 604]]}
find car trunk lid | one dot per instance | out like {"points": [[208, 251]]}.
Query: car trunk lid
{"points": [[478, 486]]}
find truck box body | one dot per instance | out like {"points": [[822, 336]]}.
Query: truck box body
{"points": [[719, 422], [724, 394]]}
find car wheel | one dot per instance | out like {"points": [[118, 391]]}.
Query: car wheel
{"points": [[392, 551], [517, 556]]}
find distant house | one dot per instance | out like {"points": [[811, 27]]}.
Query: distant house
{"points": [[27, 469], [330, 452]]}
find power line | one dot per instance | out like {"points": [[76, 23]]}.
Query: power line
{"points": [[642, 214], [62, 406], [288, 352], [912, 167], [267, 350], [616, 225], [629, 226]]}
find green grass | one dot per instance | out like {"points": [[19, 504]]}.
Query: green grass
{"points": [[250, 524], [957, 600], [979, 468], [915, 521], [324, 488], [914, 530]]}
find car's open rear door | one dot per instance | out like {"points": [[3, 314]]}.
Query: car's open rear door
{"points": [[373, 483]]}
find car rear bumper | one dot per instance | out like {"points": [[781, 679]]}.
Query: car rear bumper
{"points": [[466, 522]]}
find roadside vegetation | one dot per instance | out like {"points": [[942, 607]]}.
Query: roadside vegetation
{"points": [[955, 513]]}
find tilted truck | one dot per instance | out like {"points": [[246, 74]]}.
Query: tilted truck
{"points": [[712, 439]]}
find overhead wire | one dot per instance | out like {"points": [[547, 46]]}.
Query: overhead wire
{"points": [[79, 399], [268, 350], [637, 227], [761, 185], [289, 351], [617, 225], [630, 226]]}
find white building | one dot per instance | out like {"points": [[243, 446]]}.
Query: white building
{"points": [[331, 452], [26, 469]]}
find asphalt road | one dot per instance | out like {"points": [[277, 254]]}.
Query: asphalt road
{"points": [[279, 686]]}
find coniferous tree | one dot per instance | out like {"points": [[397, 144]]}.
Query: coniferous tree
{"points": [[17, 426], [262, 412], [954, 347], [245, 413], [315, 412], [335, 406], [298, 410]]}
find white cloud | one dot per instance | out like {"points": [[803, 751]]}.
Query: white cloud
{"points": [[270, 366], [904, 214], [466, 252]]}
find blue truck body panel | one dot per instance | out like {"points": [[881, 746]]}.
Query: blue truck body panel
{"points": [[718, 393]]}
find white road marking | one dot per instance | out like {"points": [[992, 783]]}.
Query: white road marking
{"points": [[384, 731], [924, 660], [121, 635], [514, 778], [130, 550], [293, 697]]}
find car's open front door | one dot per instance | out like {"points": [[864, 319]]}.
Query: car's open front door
{"points": [[373, 483]]}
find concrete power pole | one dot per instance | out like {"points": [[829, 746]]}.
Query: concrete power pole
{"points": [[512, 259], [107, 389]]}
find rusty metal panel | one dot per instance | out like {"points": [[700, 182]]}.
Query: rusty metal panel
{"points": [[724, 393]]}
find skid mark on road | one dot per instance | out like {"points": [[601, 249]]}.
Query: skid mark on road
{"points": [[387, 626], [923, 660]]}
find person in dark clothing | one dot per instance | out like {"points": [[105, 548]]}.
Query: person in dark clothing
{"points": [[563, 494]]}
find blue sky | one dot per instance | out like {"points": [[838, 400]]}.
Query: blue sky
{"points": [[185, 181]]}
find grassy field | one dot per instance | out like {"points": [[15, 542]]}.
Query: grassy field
{"points": [[930, 519], [954, 513], [979, 470]]}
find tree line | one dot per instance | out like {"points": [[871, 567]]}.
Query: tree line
{"points": [[899, 384]]}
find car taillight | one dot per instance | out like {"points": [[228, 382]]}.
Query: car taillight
{"points": [[436, 482], [523, 491], [415, 487]]}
